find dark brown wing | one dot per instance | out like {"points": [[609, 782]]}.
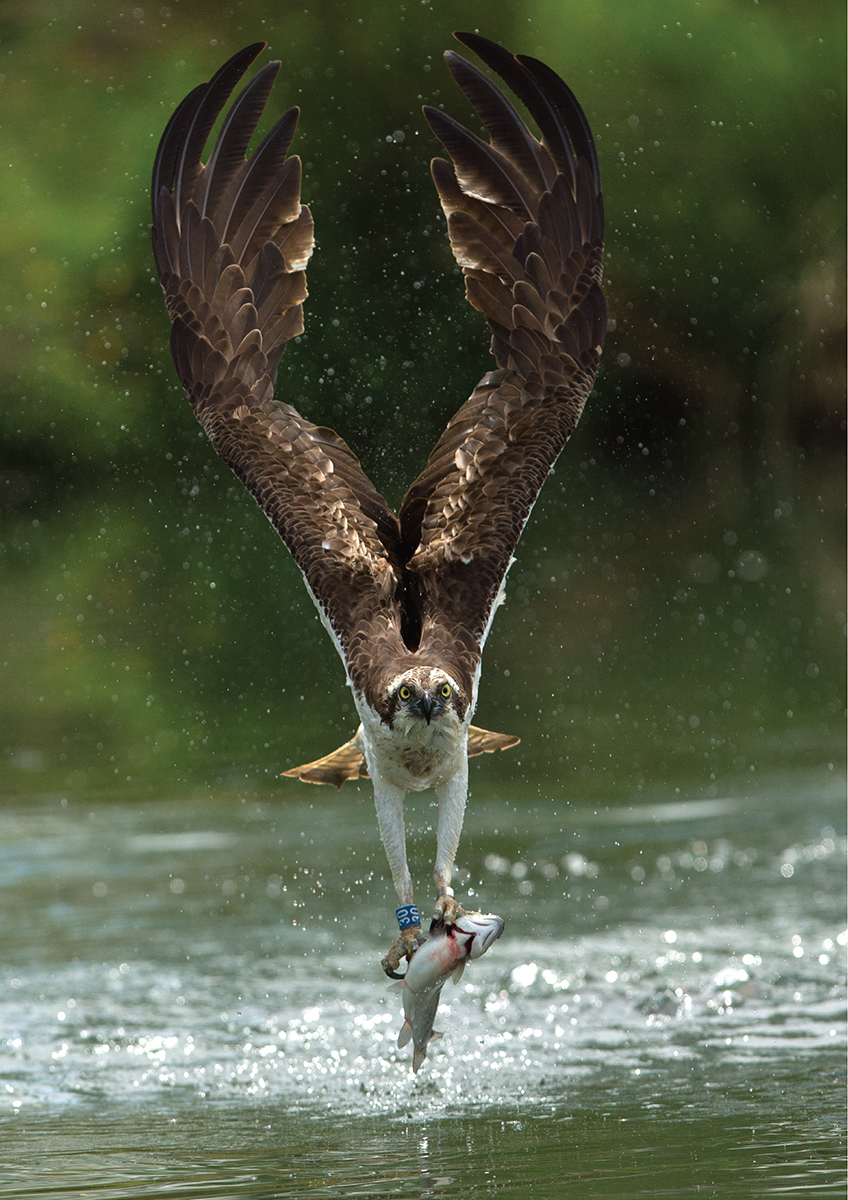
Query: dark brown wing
{"points": [[526, 222], [231, 240]]}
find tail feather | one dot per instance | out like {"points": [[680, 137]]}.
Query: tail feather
{"points": [[348, 762], [482, 741]]}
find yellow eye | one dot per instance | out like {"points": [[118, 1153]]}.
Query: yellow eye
{"points": [[404, 693], [446, 690]]}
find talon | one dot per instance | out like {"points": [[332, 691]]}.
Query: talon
{"points": [[405, 946], [446, 913]]}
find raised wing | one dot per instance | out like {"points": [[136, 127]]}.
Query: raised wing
{"points": [[526, 222], [231, 240]]}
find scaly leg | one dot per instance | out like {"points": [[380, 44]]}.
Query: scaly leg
{"points": [[389, 802], [407, 942], [452, 796]]}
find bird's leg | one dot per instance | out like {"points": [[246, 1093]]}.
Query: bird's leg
{"points": [[389, 802], [405, 945], [452, 796]]}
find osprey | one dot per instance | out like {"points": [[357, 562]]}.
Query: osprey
{"points": [[409, 599]]}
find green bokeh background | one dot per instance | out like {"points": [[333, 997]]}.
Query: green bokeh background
{"points": [[675, 619]]}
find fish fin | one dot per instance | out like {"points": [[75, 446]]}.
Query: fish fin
{"points": [[421, 1052], [483, 741], [348, 762], [456, 973], [404, 1035], [396, 987]]}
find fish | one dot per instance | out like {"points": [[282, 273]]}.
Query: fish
{"points": [[444, 953]]}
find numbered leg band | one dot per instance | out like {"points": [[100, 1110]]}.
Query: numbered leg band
{"points": [[407, 915], [446, 891]]}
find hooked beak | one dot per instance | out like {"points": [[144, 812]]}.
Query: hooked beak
{"points": [[426, 705]]}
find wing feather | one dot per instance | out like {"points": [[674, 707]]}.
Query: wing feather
{"points": [[231, 241], [482, 171], [525, 220], [508, 132]]}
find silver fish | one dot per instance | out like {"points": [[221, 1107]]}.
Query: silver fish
{"points": [[444, 953]]}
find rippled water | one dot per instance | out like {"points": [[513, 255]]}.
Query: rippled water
{"points": [[192, 1003]]}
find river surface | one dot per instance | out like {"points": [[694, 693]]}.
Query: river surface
{"points": [[192, 1004]]}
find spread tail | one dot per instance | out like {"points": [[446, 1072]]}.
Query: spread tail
{"points": [[482, 741], [348, 762]]}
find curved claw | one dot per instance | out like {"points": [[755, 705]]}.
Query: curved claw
{"points": [[446, 913], [405, 946]]}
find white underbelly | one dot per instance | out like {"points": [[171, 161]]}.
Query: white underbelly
{"points": [[422, 757], [415, 768]]}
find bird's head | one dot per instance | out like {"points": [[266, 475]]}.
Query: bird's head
{"points": [[423, 696]]}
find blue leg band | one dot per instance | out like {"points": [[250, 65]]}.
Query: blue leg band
{"points": [[407, 915]]}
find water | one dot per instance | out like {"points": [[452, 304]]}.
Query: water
{"points": [[192, 1003]]}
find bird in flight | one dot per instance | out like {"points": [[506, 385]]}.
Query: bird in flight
{"points": [[409, 599]]}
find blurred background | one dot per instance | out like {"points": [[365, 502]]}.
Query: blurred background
{"points": [[675, 619]]}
